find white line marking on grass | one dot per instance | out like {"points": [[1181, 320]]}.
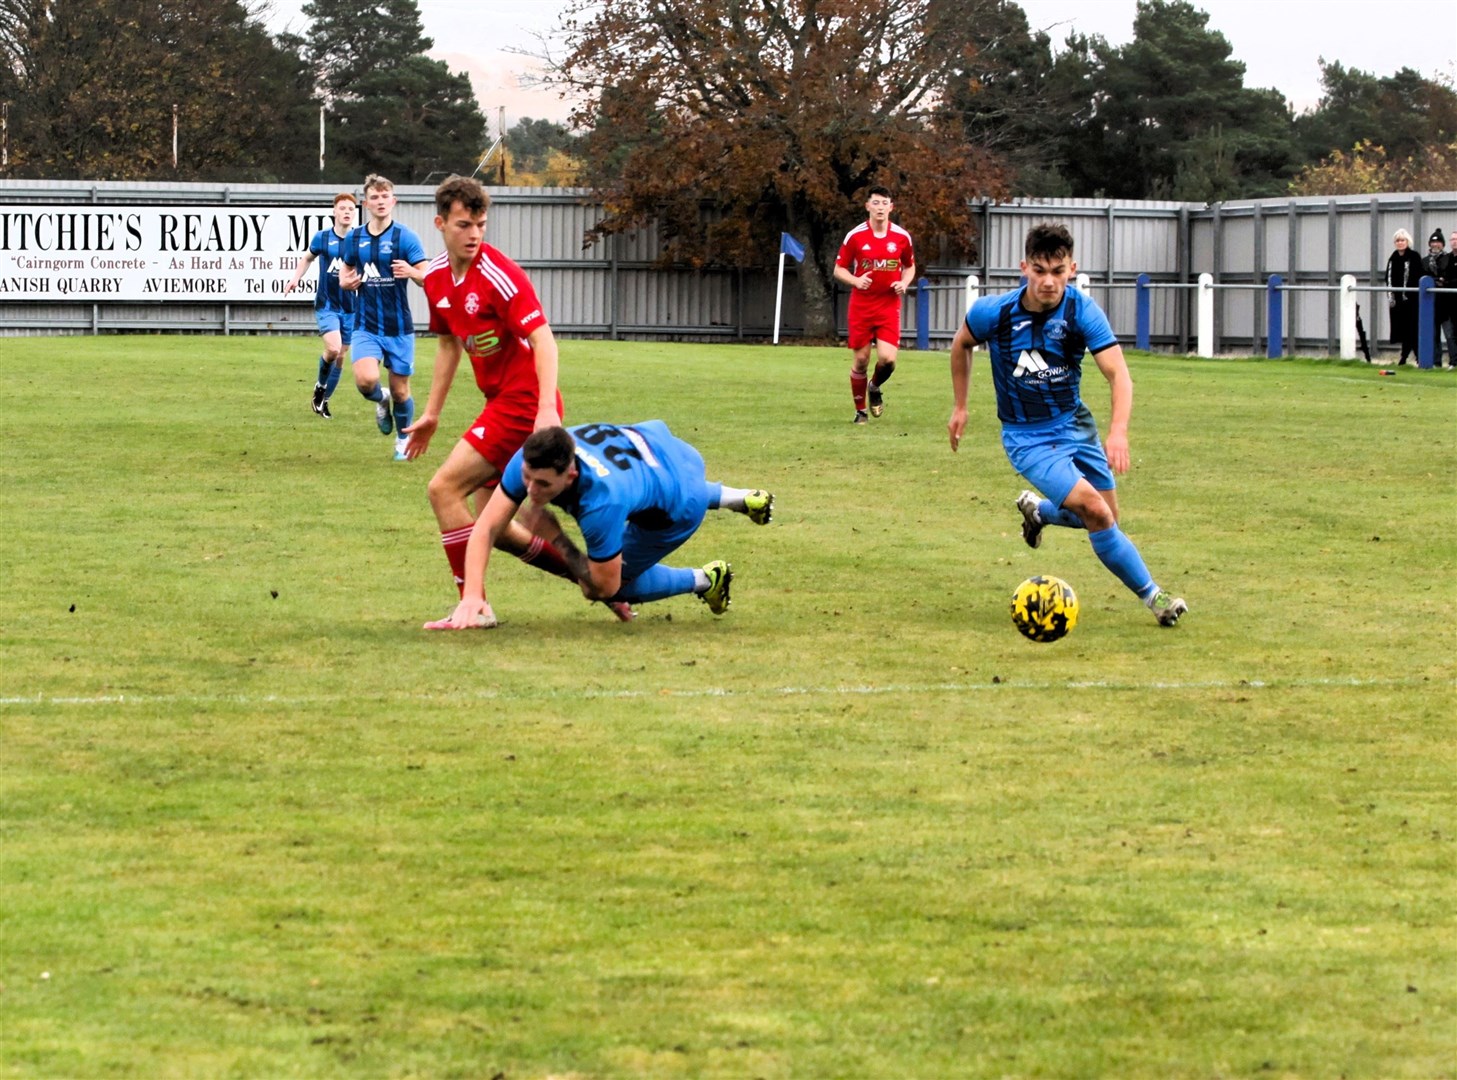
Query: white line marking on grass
{"points": [[589, 694]]}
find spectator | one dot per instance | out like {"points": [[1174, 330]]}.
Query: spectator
{"points": [[1450, 282], [1403, 271], [1438, 265]]}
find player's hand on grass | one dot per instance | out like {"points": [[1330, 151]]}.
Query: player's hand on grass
{"points": [[420, 433], [472, 613]]}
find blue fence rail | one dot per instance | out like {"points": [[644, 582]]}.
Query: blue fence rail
{"points": [[1274, 289]]}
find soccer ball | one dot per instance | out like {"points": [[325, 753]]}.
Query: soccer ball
{"points": [[1044, 608]]}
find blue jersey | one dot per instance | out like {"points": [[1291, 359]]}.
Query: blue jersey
{"points": [[384, 300], [1036, 356], [328, 247], [641, 475]]}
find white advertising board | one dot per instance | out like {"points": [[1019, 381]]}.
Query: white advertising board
{"points": [[228, 254]]}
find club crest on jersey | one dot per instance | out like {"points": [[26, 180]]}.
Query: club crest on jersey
{"points": [[385, 247], [472, 303], [891, 248], [1055, 329]]}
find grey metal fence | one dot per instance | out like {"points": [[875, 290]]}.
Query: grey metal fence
{"points": [[617, 289]]}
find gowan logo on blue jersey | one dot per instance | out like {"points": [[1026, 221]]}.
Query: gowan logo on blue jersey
{"points": [[1031, 365]]}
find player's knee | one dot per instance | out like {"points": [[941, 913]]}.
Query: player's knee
{"points": [[444, 490], [1097, 515]]}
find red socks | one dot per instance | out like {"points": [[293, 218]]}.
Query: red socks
{"points": [[454, 543], [538, 553]]}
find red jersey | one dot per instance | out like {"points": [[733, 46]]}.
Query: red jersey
{"points": [[882, 257], [491, 310]]}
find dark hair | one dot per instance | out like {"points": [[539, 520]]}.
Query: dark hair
{"points": [[464, 190], [879, 190], [1048, 240], [550, 448]]}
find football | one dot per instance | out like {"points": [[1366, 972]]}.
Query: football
{"points": [[1044, 608]]}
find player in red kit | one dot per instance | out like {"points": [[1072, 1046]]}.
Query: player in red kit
{"points": [[878, 263], [482, 304]]}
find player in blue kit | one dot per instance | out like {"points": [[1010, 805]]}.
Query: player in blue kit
{"points": [[1036, 337], [333, 304], [381, 258], [637, 492]]}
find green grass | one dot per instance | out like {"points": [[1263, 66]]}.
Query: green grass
{"points": [[254, 822]]}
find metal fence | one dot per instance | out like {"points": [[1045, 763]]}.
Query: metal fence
{"points": [[618, 289]]}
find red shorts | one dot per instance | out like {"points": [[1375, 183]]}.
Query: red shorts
{"points": [[875, 321], [504, 424]]}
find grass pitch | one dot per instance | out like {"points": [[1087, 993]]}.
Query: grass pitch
{"points": [[254, 822]]}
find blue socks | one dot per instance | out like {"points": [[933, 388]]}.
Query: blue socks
{"points": [[404, 414], [1056, 515], [378, 394], [656, 583], [1120, 556]]}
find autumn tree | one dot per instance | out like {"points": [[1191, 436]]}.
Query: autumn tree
{"points": [[395, 111], [94, 83], [533, 143], [1368, 169], [779, 115], [1404, 113]]}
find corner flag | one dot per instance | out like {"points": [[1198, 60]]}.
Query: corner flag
{"points": [[788, 245]]}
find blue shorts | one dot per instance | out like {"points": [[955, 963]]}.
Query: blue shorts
{"points": [[329, 320], [1055, 456], [643, 548], [396, 353]]}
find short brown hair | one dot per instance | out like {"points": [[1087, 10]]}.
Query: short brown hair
{"points": [[374, 180], [550, 448], [1048, 240], [465, 190]]}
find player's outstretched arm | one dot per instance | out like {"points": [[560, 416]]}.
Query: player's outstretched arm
{"points": [[500, 509], [447, 360], [603, 580], [299, 271], [1120, 384], [961, 349], [544, 351]]}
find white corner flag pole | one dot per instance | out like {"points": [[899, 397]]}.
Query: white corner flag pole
{"points": [[779, 297]]}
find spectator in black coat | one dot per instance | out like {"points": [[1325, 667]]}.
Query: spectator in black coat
{"points": [[1440, 267], [1403, 271]]}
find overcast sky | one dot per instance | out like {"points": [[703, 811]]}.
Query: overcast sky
{"points": [[1280, 42]]}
